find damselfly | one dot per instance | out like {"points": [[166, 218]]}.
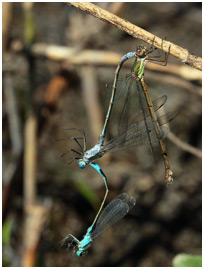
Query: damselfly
{"points": [[135, 81], [112, 213], [138, 133]]}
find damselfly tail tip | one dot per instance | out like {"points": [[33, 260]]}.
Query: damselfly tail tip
{"points": [[132, 201], [169, 177]]}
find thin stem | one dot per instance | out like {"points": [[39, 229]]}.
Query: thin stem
{"points": [[181, 144]]}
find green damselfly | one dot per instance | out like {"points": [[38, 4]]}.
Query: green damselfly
{"points": [[135, 81]]}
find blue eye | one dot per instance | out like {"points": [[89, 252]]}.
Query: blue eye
{"points": [[82, 253], [81, 164], [79, 253]]}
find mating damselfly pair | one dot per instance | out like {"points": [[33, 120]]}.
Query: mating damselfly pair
{"points": [[144, 127]]}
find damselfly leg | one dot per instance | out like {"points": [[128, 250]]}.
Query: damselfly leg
{"points": [[74, 240], [154, 59], [81, 152], [67, 151], [83, 137], [72, 160]]}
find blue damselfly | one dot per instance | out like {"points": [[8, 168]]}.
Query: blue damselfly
{"points": [[137, 133], [112, 213]]}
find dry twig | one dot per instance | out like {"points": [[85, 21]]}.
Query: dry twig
{"points": [[99, 57], [91, 99], [30, 161], [174, 139], [36, 218], [7, 9], [175, 81], [184, 55]]}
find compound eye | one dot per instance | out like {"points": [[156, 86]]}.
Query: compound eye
{"points": [[138, 51], [79, 253], [81, 164]]}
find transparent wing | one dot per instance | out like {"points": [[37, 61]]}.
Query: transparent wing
{"points": [[167, 117], [157, 103], [136, 134], [113, 212], [121, 87], [123, 123], [123, 197]]}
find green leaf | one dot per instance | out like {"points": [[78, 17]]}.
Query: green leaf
{"points": [[88, 193], [6, 231], [185, 260], [29, 29]]}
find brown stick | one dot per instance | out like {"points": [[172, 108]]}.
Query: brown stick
{"points": [[183, 54], [96, 57], [7, 14], [195, 151], [91, 99], [30, 161], [35, 221]]}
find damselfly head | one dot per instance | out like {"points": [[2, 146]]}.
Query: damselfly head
{"points": [[141, 51], [132, 201], [81, 163], [82, 253]]}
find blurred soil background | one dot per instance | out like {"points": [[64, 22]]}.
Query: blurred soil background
{"points": [[43, 198]]}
